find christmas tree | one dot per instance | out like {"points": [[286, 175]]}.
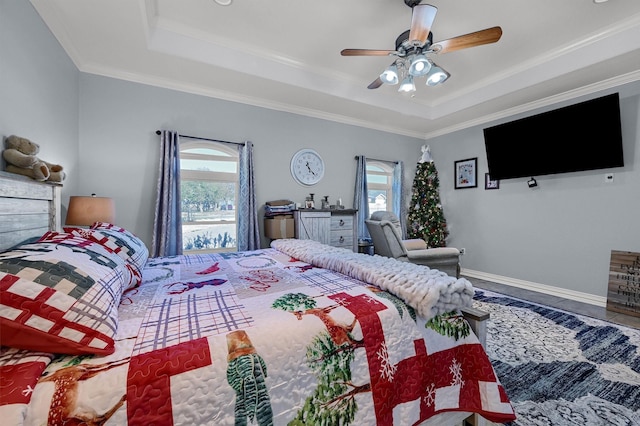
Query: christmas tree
{"points": [[426, 219]]}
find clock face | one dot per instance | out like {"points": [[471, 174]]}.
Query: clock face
{"points": [[307, 167]]}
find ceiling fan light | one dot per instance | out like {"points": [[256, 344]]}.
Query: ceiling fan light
{"points": [[390, 75], [407, 85], [420, 66], [436, 76]]}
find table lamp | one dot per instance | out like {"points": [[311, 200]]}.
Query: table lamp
{"points": [[84, 211]]}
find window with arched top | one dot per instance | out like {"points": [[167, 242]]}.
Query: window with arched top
{"points": [[379, 186], [209, 190]]}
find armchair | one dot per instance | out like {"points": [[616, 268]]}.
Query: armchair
{"points": [[386, 233]]}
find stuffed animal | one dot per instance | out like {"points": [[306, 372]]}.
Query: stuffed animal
{"points": [[21, 157]]}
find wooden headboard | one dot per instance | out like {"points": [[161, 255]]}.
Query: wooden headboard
{"points": [[27, 208]]}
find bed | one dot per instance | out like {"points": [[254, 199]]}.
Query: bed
{"points": [[95, 332]]}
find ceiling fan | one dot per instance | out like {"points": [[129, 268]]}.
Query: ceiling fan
{"points": [[413, 46]]}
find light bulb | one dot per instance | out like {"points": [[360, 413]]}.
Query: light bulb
{"points": [[407, 85]]}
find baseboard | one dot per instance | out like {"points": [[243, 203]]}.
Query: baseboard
{"points": [[540, 288]]}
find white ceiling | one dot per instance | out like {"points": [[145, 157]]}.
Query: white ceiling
{"points": [[285, 54]]}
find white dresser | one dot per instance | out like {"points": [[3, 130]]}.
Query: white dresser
{"points": [[335, 227]]}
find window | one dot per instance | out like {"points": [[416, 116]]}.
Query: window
{"points": [[379, 186], [209, 190]]}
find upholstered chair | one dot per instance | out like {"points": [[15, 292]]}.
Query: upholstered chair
{"points": [[386, 233]]}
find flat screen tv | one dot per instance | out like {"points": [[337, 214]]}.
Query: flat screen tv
{"points": [[584, 136]]}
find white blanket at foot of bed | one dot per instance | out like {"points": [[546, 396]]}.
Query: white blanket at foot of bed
{"points": [[429, 291]]}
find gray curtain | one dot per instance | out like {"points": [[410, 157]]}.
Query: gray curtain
{"points": [[167, 223], [397, 203], [361, 198], [248, 230]]}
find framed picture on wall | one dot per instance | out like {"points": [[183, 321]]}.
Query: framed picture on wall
{"points": [[466, 173], [490, 184]]}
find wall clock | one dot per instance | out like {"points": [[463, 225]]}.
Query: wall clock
{"points": [[307, 167]]}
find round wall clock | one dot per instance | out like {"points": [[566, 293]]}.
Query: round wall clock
{"points": [[307, 167]]}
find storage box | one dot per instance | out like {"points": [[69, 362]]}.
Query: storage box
{"points": [[281, 226]]}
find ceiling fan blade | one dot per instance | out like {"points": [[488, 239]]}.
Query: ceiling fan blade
{"points": [[421, 21], [375, 84], [478, 38], [366, 52]]}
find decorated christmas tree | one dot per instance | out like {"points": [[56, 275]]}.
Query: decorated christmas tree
{"points": [[426, 219]]}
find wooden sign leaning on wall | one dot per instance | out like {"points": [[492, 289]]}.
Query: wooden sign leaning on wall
{"points": [[623, 294]]}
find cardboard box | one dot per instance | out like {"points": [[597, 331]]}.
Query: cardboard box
{"points": [[279, 227]]}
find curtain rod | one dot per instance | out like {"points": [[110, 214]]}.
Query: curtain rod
{"points": [[158, 132], [376, 159]]}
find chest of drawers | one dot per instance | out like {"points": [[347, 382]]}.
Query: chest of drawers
{"points": [[332, 227]]}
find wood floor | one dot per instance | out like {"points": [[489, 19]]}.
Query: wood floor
{"points": [[559, 302]]}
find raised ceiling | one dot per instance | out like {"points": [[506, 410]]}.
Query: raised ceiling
{"points": [[285, 54]]}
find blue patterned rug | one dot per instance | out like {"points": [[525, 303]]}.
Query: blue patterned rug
{"points": [[559, 368]]}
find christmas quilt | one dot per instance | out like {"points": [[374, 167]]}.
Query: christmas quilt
{"points": [[297, 334]]}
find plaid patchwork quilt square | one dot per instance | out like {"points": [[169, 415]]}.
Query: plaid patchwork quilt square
{"points": [[61, 295]]}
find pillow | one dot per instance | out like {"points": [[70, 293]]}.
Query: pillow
{"points": [[139, 252], [76, 240], [121, 242], [61, 295], [414, 244]]}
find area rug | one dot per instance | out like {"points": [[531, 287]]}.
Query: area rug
{"points": [[560, 368]]}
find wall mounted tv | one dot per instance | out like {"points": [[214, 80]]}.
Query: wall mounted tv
{"points": [[584, 136]]}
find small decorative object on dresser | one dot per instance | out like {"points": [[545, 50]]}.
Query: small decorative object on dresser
{"points": [[325, 202], [307, 167]]}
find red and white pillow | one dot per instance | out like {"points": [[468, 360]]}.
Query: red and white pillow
{"points": [[119, 241], [61, 294]]}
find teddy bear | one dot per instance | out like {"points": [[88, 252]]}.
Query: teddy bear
{"points": [[21, 157]]}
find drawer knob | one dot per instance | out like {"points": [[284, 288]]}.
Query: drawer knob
{"points": [[341, 222]]}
